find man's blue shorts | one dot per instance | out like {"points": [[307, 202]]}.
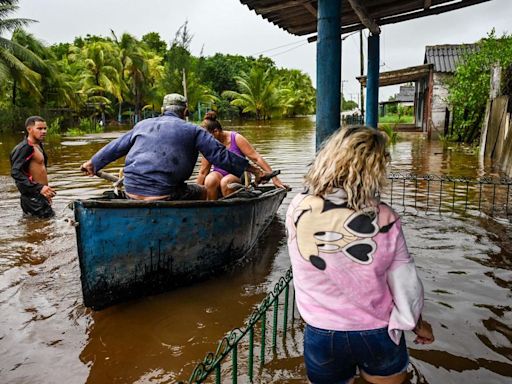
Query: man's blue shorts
{"points": [[332, 356]]}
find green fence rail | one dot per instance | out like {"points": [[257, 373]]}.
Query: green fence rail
{"points": [[229, 345], [445, 194]]}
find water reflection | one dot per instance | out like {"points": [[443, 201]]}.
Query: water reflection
{"points": [[168, 332], [47, 336]]}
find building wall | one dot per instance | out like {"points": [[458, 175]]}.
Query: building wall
{"points": [[439, 102]]}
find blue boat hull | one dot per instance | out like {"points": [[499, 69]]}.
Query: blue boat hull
{"points": [[129, 248]]}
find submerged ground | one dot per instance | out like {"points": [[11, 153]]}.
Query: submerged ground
{"points": [[48, 336]]}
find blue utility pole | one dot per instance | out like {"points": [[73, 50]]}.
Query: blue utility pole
{"points": [[372, 81], [328, 69]]}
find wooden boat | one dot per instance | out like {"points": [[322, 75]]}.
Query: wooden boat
{"points": [[129, 249]]}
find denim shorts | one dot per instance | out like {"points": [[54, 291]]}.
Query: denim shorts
{"points": [[332, 356]]}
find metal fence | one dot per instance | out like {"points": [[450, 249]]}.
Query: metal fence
{"points": [[352, 120], [251, 337], [406, 193], [445, 194]]}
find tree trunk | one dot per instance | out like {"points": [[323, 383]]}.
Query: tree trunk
{"points": [[14, 89]]}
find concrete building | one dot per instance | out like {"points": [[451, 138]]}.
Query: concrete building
{"points": [[433, 115]]}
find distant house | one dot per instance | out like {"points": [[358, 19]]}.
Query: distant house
{"points": [[404, 98], [444, 60], [431, 110]]}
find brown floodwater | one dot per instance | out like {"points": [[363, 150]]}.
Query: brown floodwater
{"points": [[48, 336]]}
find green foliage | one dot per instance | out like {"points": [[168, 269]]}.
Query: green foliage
{"points": [[258, 93], [389, 130], [469, 88], [86, 125], [125, 78], [75, 132], [396, 119], [155, 43], [219, 70], [17, 62], [55, 126], [348, 105], [296, 93]]}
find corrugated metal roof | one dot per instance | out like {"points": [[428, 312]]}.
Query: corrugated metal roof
{"points": [[299, 17], [406, 93], [445, 58]]}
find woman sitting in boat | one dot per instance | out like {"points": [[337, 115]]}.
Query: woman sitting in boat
{"points": [[219, 179]]}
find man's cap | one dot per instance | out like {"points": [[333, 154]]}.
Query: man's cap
{"points": [[174, 99]]}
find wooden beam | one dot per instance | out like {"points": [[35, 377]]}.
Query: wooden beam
{"points": [[409, 16], [310, 8], [427, 4], [400, 76], [366, 19]]}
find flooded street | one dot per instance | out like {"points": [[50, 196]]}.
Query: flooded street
{"points": [[48, 336]]}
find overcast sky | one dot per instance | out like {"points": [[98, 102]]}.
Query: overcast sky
{"points": [[227, 26]]}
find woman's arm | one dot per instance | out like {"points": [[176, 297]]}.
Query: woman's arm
{"points": [[253, 155], [423, 331], [204, 169]]}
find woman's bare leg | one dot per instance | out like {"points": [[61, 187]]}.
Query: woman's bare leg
{"points": [[212, 184], [224, 184]]}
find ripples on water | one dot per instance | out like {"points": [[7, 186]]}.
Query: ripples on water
{"points": [[47, 336]]}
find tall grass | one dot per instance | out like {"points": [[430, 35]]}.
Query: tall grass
{"points": [[396, 119], [389, 130], [55, 125], [85, 125]]}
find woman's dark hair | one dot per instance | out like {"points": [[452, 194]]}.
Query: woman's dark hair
{"points": [[210, 122]]}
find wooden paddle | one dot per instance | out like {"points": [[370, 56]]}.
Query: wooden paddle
{"points": [[107, 176]]}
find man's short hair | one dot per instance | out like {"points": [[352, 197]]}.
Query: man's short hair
{"points": [[32, 120], [174, 102]]}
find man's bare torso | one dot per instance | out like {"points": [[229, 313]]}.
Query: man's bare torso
{"points": [[36, 167]]}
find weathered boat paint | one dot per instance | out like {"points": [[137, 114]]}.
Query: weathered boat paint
{"points": [[128, 249]]}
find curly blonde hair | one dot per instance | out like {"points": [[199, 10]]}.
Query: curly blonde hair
{"points": [[354, 159]]}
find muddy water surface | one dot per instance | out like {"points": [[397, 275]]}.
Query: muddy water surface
{"points": [[48, 336]]}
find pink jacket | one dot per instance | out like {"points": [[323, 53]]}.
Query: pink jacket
{"points": [[352, 271]]}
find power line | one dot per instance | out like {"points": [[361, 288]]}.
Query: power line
{"points": [[288, 50], [281, 46]]}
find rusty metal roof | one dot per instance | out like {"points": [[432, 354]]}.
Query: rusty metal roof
{"points": [[299, 17], [445, 58]]}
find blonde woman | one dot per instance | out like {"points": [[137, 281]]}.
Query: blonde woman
{"points": [[356, 285]]}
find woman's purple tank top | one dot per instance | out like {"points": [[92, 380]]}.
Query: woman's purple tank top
{"points": [[233, 147]]}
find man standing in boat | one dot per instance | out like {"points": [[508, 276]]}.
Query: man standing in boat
{"points": [[28, 169], [161, 153]]}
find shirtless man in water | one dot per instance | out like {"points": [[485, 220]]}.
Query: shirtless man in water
{"points": [[28, 169]]}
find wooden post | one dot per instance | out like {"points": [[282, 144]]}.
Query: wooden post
{"points": [[495, 81], [483, 133], [185, 88]]}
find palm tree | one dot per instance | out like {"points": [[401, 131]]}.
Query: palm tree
{"points": [[141, 70], [100, 74], [14, 57], [198, 93], [54, 84], [258, 93], [298, 97]]}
